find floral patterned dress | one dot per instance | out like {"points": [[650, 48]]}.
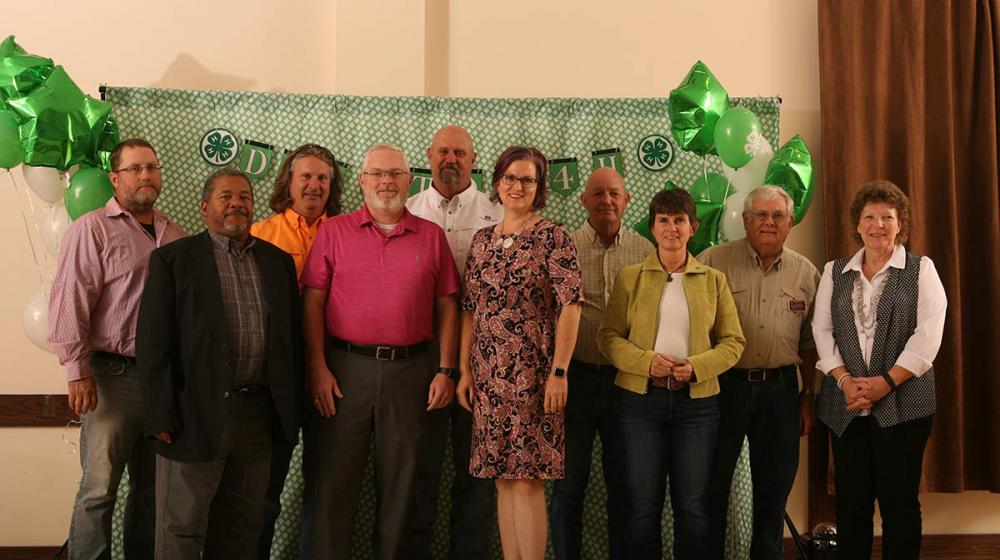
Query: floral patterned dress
{"points": [[516, 290]]}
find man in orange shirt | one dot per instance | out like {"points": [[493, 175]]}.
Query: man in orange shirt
{"points": [[306, 192]]}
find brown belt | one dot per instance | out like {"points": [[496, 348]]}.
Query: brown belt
{"points": [[669, 383]]}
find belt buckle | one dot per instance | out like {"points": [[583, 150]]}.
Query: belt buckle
{"points": [[756, 375], [389, 349], [674, 385], [243, 391]]}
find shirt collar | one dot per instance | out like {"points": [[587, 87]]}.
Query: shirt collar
{"points": [[467, 196], [596, 237], [229, 245], [295, 220], [408, 221], [897, 260], [113, 209], [652, 263], [755, 258]]}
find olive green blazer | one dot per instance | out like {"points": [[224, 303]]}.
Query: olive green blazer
{"points": [[628, 329]]}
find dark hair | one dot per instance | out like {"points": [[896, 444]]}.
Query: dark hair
{"points": [[522, 153], [206, 191], [116, 154], [673, 201], [281, 199], [889, 193]]}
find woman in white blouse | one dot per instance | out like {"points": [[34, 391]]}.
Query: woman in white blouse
{"points": [[878, 321]]}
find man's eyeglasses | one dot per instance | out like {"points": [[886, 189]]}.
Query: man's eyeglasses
{"points": [[526, 182], [393, 174], [138, 169], [777, 217]]}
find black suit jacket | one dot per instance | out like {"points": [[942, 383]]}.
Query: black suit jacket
{"points": [[182, 346]]}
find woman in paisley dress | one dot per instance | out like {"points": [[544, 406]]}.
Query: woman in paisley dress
{"points": [[520, 312]]}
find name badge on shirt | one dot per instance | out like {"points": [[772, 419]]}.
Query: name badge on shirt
{"points": [[796, 305]]}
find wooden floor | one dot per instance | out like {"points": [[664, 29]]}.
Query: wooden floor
{"points": [[938, 547]]}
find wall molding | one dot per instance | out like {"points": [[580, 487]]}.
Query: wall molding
{"points": [[33, 411]]}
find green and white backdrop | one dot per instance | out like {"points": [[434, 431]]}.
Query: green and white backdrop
{"points": [[196, 131]]}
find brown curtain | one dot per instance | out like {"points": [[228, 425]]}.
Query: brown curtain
{"points": [[909, 93]]}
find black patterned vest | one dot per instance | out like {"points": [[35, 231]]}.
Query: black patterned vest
{"points": [[897, 319]]}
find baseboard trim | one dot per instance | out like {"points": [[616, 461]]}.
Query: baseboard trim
{"points": [[24, 411], [938, 547], [29, 552]]}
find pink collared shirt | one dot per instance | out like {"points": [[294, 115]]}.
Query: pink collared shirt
{"points": [[382, 286], [94, 303]]}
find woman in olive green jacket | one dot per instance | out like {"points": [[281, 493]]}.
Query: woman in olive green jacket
{"points": [[670, 328]]}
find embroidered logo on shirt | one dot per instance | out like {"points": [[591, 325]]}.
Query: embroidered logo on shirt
{"points": [[797, 305]]}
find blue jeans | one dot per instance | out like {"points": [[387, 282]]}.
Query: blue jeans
{"points": [[667, 433], [767, 414], [590, 411]]}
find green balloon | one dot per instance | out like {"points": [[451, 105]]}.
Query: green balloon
{"points": [[695, 107], [791, 169], [61, 126], [20, 72], [89, 189], [709, 217], [731, 136], [11, 150], [710, 187]]}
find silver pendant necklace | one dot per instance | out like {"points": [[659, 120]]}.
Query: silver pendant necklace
{"points": [[507, 241], [867, 314]]}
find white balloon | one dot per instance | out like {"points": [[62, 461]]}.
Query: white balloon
{"points": [[48, 183], [732, 217], [35, 321], [52, 225], [751, 175]]}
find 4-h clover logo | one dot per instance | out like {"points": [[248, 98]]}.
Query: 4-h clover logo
{"points": [[219, 146], [655, 152]]}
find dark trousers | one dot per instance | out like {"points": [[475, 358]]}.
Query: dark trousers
{"points": [[766, 413], [388, 398], [214, 509], [473, 500], [281, 458], [590, 410], [111, 439], [667, 433], [884, 464]]}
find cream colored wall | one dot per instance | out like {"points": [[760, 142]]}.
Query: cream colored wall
{"points": [[580, 48]]}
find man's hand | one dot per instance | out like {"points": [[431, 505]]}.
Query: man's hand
{"points": [[441, 391], [556, 393], [165, 437], [466, 390], [83, 395], [660, 366], [806, 416], [322, 388]]}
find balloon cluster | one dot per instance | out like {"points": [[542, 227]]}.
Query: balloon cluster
{"points": [[704, 123], [64, 138]]}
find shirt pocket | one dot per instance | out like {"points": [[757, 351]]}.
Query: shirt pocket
{"points": [[792, 311]]}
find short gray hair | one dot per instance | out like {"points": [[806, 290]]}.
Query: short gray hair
{"points": [[206, 191], [385, 146], [764, 193]]}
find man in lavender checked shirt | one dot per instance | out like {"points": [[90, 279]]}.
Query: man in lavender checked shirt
{"points": [[93, 307]]}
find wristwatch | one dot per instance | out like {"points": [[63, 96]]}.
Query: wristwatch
{"points": [[559, 372], [451, 372]]}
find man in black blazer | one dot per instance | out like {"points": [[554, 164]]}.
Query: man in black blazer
{"points": [[218, 347]]}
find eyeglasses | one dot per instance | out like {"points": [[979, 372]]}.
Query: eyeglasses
{"points": [[526, 182], [138, 169], [394, 174], [777, 217]]}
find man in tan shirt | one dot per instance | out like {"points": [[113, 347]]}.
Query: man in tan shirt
{"points": [[774, 288], [603, 248]]}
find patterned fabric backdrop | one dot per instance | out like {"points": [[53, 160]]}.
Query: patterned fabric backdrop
{"points": [[194, 131]]}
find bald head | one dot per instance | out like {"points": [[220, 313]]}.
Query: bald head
{"points": [[451, 156], [605, 199]]}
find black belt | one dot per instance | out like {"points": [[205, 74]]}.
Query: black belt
{"points": [[380, 352], [127, 361], [251, 390], [759, 375], [577, 365]]}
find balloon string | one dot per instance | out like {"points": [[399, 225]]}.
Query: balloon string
{"points": [[27, 232]]}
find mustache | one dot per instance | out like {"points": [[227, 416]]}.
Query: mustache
{"points": [[237, 212]]}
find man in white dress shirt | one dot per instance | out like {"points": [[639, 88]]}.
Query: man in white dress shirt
{"points": [[454, 203]]}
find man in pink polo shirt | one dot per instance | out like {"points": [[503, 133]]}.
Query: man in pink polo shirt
{"points": [[379, 285]]}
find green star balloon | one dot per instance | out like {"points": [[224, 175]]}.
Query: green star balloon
{"points": [[791, 169], [20, 72], [695, 106], [60, 125]]}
